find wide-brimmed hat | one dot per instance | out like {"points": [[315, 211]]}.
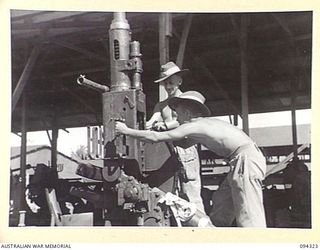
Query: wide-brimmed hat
{"points": [[169, 69], [194, 97]]}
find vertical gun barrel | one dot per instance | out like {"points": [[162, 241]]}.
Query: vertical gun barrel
{"points": [[119, 39]]}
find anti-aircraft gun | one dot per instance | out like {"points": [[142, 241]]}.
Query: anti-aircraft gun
{"points": [[130, 190]]}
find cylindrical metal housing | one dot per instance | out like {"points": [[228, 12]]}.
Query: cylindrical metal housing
{"points": [[119, 39], [135, 55]]}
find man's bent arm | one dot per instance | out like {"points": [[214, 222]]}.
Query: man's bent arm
{"points": [[156, 117]]}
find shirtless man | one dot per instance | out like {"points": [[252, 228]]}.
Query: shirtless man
{"points": [[164, 118], [240, 195]]}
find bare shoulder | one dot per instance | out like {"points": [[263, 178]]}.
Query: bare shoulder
{"points": [[204, 120], [214, 120], [196, 123]]}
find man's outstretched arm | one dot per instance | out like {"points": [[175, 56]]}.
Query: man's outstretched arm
{"points": [[153, 136]]}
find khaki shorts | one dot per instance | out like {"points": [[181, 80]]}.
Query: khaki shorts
{"points": [[240, 195]]}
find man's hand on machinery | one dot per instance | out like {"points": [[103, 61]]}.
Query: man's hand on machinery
{"points": [[159, 126], [120, 127]]}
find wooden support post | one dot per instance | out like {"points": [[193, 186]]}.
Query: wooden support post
{"points": [[183, 40], [235, 120], [101, 141], [244, 74], [95, 142], [295, 74], [24, 77], [165, 31], [89, 140], [23, 162], [49, 137], [293, 119], [54, 146]]}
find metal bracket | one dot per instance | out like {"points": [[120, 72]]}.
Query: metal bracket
{"points": [[130, 103]]}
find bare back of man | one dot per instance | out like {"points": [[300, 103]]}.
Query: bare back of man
{"points": [[218, 136]]}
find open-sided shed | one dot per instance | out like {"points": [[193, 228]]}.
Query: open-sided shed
{"points": [[242, 62]]}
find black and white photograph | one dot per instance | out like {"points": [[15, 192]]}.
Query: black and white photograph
{"points": [[169, 119]]}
